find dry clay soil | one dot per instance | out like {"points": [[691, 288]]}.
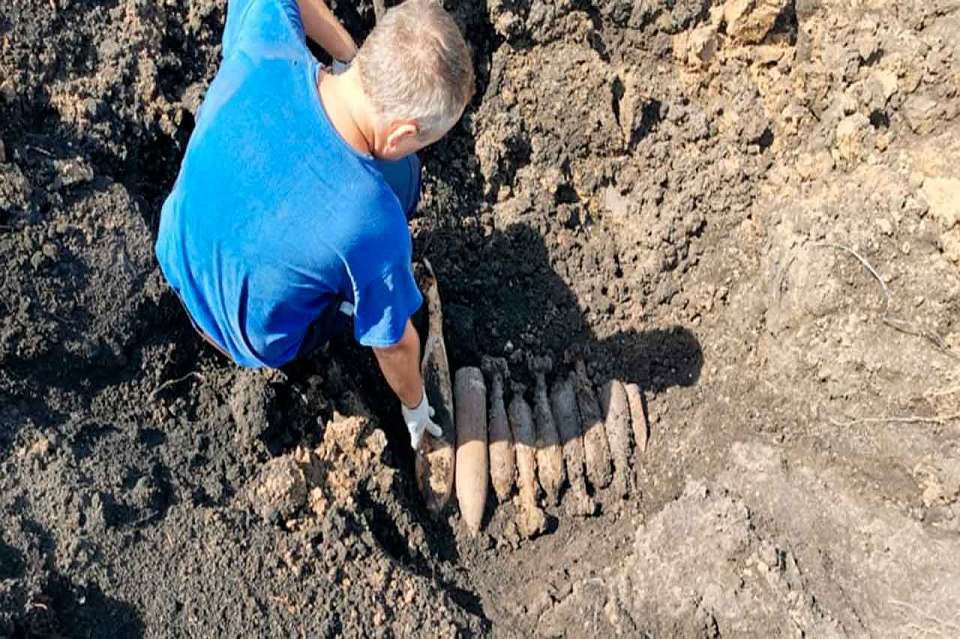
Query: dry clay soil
{"points": [[748, 208]]}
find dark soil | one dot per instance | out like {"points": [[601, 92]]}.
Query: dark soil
{"points": [[646, 185]]}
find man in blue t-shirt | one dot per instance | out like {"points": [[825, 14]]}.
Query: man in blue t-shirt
{"points": [[290, 210]]}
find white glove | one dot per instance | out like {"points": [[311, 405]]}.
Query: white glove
{"points": [[418, 420]]}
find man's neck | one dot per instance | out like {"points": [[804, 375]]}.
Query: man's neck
{"points": [[344, 102]]}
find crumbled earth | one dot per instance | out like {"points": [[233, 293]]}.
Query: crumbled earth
{"points": [[751, 208]]}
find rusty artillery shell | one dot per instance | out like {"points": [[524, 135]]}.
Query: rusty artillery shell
{"points": [[470, 478], [530, 519], [503, 467], [434, 462], [638, 420], [549, 454], [563, 400], [616, 412], [596, 450]]}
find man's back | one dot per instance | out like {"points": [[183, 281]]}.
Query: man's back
{"points": [[273, 216]]}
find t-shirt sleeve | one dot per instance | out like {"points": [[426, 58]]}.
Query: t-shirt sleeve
{"points": [[384, 305], [403, 176], [263, 28]]}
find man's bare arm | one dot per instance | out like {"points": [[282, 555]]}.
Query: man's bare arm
{"points": [[323, 28], [400, 364]]}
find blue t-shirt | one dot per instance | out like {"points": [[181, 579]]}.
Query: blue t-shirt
{"points": [[273, 215]]}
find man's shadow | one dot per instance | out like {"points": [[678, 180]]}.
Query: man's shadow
{"points": [[504, 298]]}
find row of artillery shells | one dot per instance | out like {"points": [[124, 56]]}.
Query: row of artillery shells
{"points": [[567, 440]]}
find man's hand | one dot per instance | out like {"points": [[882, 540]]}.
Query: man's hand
{"points": [[418, 420]]}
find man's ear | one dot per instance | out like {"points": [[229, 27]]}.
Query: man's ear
{"points": [[401, 132]]}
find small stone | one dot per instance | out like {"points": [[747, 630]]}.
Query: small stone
{"points": [[943, 196], [950, 240], [850, 136], [814, 165], [91, 107], [96, 512], [842, 105], [921, 113], [8, 90], [49, 249], [867, 46], [793, 117], [665, 22], [40, 448], [768, 54], [885, 226], [905, 248], [72, 171], [749, 21], [883, 140], [696, 48], [884, 83], [616, 204], [509, 25], [144, 493]]}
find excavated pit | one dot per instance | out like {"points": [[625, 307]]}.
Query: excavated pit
{"points": [[683, 194]]}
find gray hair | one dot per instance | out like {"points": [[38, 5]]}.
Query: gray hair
{"points": [[415, 65]]}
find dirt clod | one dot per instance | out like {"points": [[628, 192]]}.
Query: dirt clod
{"points": [[279, 490], [250, 401], [751, 20]]}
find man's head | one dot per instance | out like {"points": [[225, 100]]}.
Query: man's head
{"points": [[416, 71]]}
